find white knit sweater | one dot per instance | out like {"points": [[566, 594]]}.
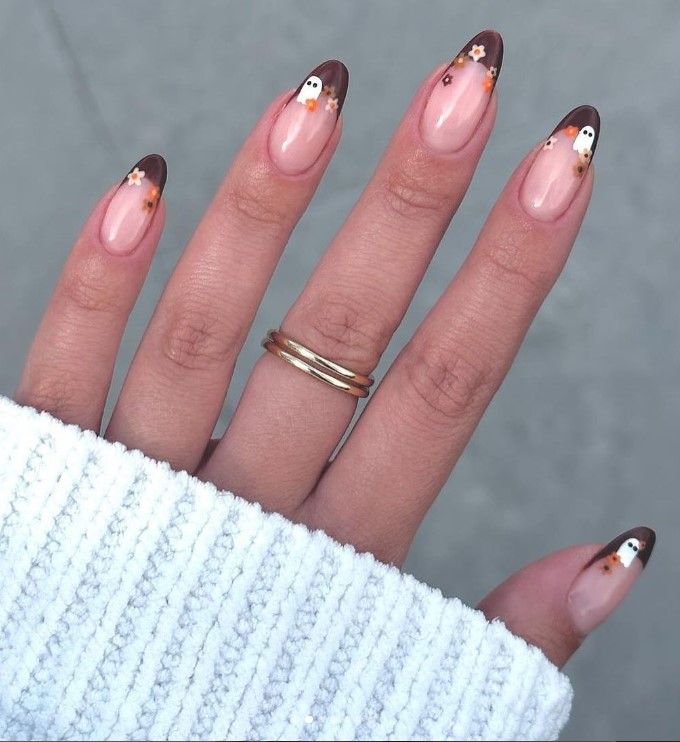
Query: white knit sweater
{"points": [[141, 603]]}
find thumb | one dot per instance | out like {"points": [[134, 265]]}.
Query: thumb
{"points": [[556, 602]]}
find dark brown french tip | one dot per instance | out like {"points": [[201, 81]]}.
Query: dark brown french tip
{"points": [[131, 209], [641, 540], [334, 78], [577, 120], [486, 48], [607, 578], [155, 170]]}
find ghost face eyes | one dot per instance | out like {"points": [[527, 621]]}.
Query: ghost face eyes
{"points": [[629, 551], [310, 90], [585, 139]]}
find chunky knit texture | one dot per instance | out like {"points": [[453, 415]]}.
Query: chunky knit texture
{"points": [[141, 603]]}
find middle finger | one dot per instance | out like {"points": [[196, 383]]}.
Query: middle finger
{"points": [[359, 293]]}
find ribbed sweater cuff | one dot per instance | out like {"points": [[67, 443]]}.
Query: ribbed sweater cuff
{"points": [[141, 603]]}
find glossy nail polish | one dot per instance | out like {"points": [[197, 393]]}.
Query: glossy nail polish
{"points": [[305, 125], [133, 205], [461, 95], [557, 172], [608, 577]]}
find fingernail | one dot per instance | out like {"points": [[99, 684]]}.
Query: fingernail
{"points": [[306, 123], [461, 95], [608, 577], [557, 172], [133, 205]]}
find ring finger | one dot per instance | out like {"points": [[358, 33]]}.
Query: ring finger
{"points": [[360, 291]]}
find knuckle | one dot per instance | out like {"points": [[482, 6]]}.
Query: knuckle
{"points": [[89, 294], [195, 338], [512, 263], [253, 201], [447, 385], [412, 195], [53, 392], [343, 331]]}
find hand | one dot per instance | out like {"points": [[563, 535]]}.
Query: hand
{"points": [[378, 488]]}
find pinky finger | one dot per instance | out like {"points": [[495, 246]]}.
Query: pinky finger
{"points": [[70, 363], [557, 601]]}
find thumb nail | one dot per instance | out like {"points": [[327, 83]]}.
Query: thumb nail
{"points": [[608, 577]]}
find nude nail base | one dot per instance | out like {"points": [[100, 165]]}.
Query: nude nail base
{"points": [[305, 125], [460, 97], [133, 206], [557, 172]]}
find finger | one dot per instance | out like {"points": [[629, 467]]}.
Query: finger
{"points": [[176, 386], [70, 363], [360, 291], [429, 404], [557, 601]]}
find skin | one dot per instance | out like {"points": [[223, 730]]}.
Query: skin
{"points": [[393, 465]]}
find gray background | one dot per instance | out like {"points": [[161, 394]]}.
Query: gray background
{"points": [[582, 441]]}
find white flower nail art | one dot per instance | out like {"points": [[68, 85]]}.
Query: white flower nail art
{"points": [[477, 52], [550, 143], [135, 177]]}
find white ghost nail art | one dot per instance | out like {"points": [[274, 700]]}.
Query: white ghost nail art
{"points": [[310, 90], [584, 139], [628, 551], [622, 552]]}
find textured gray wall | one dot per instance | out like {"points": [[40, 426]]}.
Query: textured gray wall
{"points": [[582, 441]]}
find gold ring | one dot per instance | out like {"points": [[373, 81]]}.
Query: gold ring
{"points": [[315, 365], [339, 372]]}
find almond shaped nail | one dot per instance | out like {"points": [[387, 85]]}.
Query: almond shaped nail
{"points": [[132, 207], [557, 172], [608, 577], [460, 97], [305, 125]]}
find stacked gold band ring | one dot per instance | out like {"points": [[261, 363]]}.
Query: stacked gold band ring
{"points": [[312, 363]]}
